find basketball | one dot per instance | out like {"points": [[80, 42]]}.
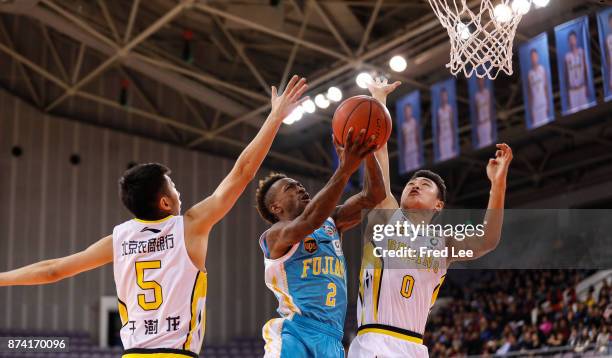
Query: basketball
{"points": [[362, 112]]}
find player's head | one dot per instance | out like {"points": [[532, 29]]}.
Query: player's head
{"points": [[535, 57], [425, 190], [408, 111], [572, 39], [444, 96], [148, 192], [280, 198], [610, 21]]}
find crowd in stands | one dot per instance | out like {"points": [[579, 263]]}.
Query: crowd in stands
{"points": [[510, 311]]}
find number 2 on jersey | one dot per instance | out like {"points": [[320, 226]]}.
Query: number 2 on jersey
{"points": [[331, 296], [141, 266], [407, 286]]}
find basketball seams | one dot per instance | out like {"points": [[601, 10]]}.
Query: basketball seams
{"points": [[388, 129], [369, 119], [348, 119]]}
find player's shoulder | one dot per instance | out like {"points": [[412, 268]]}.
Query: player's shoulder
{"points": [[275, 230]]}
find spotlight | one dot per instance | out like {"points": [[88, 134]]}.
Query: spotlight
{"points": [[502, 13], [294, 116], [521, 7], [541, 3], [397, 63], [363, 79], [321, 101], [309, 106], [334, 94]]}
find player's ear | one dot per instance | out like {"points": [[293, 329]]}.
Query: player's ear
{"points": [[165, 204], [439, 206], [275, 209]]}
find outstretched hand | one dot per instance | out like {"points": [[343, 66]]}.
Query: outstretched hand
{"points": [[290, 99], [381, 89], [497, 168], [354, 151]]}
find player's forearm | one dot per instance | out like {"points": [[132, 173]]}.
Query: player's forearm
{"points": [[34, 274], [374, 189], [382, 156], [494, 218], [324, 203]]}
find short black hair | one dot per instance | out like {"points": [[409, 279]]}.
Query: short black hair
{"points": [[262, 191], [140, 188], [435, 178]]}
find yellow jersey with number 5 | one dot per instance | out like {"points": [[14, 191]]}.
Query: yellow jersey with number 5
{"points": [[161, 293]]}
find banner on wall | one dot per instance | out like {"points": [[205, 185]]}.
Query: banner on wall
{"points": [[604, 24], [574, 65], [444, 124], [482, 112], [536, 78], [409, 132]]}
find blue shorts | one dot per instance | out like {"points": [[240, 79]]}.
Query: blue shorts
{"points": [[297, 337]]}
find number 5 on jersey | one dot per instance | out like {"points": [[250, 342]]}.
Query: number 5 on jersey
{"points": [[141, 266]]}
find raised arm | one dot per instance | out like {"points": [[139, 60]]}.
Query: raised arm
{"points": [[348, 214], [48, 271], [285, 234], [200, 219], [380, 90], [497, 172]]}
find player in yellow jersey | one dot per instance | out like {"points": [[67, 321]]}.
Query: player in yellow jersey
{"points": [[159, 256], [394, 302]]}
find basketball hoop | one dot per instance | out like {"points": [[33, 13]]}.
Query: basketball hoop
{"points": [[481, 41]]}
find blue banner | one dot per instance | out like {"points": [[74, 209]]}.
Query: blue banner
{"points": [[574, 64], [604, 24], [482, 112], [409, 132], [537, 85], [445, 122]]}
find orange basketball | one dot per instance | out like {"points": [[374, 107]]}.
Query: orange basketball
{"points": [[362, 112]]}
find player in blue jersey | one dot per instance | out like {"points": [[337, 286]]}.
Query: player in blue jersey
{"points": [[305, 266]]}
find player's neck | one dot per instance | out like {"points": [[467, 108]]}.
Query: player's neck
{"points": [[417, 216]]}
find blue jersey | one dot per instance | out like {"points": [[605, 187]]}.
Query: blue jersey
{"points": [[310, 279]]}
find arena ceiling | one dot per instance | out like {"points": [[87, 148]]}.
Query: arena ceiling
{"points": [[70, 58]]}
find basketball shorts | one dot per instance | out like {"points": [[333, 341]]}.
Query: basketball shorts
{"points": [[301, 337], [390, 344], [539, 115], [578, 99]]}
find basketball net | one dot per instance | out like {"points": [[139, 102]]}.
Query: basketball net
{"points": [[481, 41]]}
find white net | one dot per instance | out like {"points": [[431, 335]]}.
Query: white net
{"points": [[481, 34]]}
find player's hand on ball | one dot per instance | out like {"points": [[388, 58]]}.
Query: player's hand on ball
{"points": [[284, 104], [497, 169], [381, 89], [354, 150]]}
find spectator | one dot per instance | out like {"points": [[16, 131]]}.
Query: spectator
{"points": [[519, 310]]}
